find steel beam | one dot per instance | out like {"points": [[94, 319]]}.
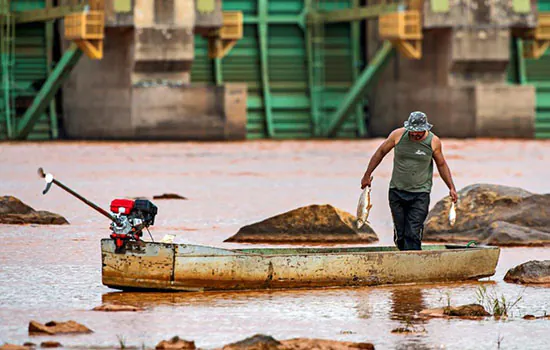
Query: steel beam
{"points": [[357, 13], [360, 86], [355, 59], [522, 71], [46, 14], [49, 89], [262, 35]]}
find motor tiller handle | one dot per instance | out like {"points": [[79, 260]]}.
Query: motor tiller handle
{"points": [[49, 180]]}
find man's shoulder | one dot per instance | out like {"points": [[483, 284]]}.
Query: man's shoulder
{"points": [[436, 141], [396, 134]]}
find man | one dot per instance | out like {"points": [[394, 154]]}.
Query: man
{"points": [[411, 182]]}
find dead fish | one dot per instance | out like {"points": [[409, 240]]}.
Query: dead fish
{"points": [[452, 214], [363, 207]]}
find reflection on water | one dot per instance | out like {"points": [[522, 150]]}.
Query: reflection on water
{"points": [[54, 273], [406, 301]]}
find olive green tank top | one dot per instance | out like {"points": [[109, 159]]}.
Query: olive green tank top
{"points": [[412, 164]]}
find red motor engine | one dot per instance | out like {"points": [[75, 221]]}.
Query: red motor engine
{"points": [[132, 216]]}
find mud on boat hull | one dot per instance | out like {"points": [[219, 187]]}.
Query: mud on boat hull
{"points": [[162, 266]]}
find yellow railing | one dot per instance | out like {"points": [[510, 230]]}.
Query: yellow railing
{"points": [[404, 30], [221, 41], [87, 28], [403, 25]]}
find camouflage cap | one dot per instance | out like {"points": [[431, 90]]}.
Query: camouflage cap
{"points": [[418, 121]]}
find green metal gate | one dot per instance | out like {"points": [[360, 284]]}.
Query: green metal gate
{"points": [[296, 76]]}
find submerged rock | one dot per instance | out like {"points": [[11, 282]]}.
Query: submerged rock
{"points": [[492, 214], [169, 196], [115, 307], [50, 344], [8, 346], [256, 342], [176, 344], [463, 311], [15, 212], [314, 223], [53, 327], [533, 317], [534, 271], [322, 344], [266, 342]]}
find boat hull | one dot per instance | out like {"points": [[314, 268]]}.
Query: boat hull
{"points": [[161, 266]]}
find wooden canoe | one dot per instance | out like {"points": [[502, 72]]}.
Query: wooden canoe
{"points": [[186, 267]]}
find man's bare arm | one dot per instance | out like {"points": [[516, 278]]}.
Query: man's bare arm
{"points": [[377, 157], [443, 168]]}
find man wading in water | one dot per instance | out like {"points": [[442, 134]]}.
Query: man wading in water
{"points": [[411, 181]]}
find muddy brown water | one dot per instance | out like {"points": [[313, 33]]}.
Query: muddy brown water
{"points": [[54, 273]]}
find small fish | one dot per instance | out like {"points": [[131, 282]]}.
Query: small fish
{"points": [[363, 207], [452, 214]]}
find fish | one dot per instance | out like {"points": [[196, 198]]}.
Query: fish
{"points": [[363, 207], [452, 214]]}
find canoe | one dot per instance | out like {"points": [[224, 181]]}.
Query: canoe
{"points": [[187, 267]]}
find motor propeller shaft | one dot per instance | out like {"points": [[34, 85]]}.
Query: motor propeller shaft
{"points": [[50, 179]]}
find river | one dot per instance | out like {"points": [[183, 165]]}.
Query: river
{"points": [[54, 272]]}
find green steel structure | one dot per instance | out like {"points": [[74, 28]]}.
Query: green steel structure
{"points": [[26, 63], [300, 60], [29, 77], [537, 72]]}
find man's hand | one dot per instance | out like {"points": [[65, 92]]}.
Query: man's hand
{"points": [[366, 181], [454, 195]]}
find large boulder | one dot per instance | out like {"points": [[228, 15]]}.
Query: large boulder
{"points": [[492, 214], [314, 223], [15, 212], [534, 271]]}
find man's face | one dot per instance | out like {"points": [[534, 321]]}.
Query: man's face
{"points": [[417, 135]]}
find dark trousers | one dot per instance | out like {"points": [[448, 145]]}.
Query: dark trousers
{"points": [[409, 211]]}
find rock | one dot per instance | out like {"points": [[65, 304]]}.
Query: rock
{"points": [[15, 212], [505, 234], [322, 344], [465, 311], [8, 346], [169, 196], [265, 342], [534, 271], [54, 327], [314, 223], [114, 307], [50, 344], [176, 343], [492, 214], [407, 330], [470, 310], [532, 317], [256, 342]]}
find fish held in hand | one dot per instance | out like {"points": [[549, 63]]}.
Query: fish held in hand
{"points": [[363, 207], [452, 214]]}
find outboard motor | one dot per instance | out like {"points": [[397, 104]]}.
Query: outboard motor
{"points": [[128, 217], [131, 217]]}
